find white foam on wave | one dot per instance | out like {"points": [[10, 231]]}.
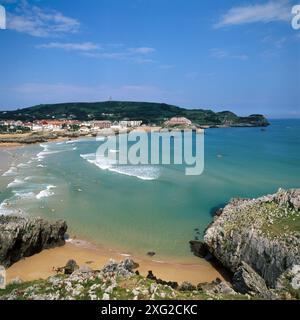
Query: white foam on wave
{"points": [[142, 172], [5, 209], [17, 182], [75, 141], [41, 166], [46, 193], [46, 152], [24, 195], [12, 171], [22, 165]]}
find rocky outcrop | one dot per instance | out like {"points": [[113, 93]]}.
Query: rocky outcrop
{"points": [[246, 280], [22, 237], [264, 233]]}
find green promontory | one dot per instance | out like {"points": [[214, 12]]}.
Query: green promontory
{"points": [[149, 113]]}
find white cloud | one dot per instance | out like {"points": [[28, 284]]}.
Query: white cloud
{"points": [[83, 46], [39, 22], [103, 51], [279, 10], [142, 50], [135, 55], [222, 54]]}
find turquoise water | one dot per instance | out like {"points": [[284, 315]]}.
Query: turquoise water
{"points": [[136, 215]]}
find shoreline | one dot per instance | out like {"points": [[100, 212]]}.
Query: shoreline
{"points": [[43, 264]]}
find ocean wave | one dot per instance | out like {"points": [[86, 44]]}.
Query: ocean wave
{"points": [[24, 195], [17, 182], [12, 171], [22, 165], [46, 193], [142, 172], [5, 209], [76, 141], [147, 173]]}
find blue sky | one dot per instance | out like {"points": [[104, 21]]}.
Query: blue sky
{"points": [[242, 56]]}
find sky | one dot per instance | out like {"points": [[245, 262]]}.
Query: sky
{"points": [[242, 56]]}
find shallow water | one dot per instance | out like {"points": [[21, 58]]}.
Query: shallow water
{"points": [[150, 208]]}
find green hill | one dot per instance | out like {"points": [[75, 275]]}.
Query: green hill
{"points": [[149, 113]]}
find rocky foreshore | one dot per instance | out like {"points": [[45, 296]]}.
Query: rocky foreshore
{"points": [[258, 240], [26, 139], [22, 237], [116, 281]]}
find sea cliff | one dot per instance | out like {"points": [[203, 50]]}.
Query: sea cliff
{"points": [[260, 237], [22, 237]]}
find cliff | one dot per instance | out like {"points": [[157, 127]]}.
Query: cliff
{"points": [[22, 237], [261, 235]]}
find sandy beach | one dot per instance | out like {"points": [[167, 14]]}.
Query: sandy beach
{"points": [[43, 265]]}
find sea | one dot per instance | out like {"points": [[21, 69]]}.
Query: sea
{"points": [[157, 208]]}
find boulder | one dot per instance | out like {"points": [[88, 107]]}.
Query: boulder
{"points": [[216, 287], [124, 268], [247, 281], [22, 237], [187, 286], [71, 267]]}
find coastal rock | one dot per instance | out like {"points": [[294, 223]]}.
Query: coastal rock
{"points": [[186, 286], [247, 281], [124, 268], [22, 237], [199, 249], [288, 285], [264, 233], [151, 253], [216, 287], [71, 267]]}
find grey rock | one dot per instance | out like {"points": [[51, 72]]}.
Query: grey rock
{"points": [[71, 267], [243, 233], [199, 248], [186, 286], [216, 287], [22, 237], [247, 281], [85, 269], [124, 268]]}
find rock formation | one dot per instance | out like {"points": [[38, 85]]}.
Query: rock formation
{"points": [[261, 234], [22, 237]]}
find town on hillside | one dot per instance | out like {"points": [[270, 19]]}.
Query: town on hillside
{"points": [[84, 127]]}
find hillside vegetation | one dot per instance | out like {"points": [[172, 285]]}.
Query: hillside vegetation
{"points": [[149, 113]]}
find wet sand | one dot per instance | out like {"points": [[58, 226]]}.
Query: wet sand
{"points": [[42, 265]]}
